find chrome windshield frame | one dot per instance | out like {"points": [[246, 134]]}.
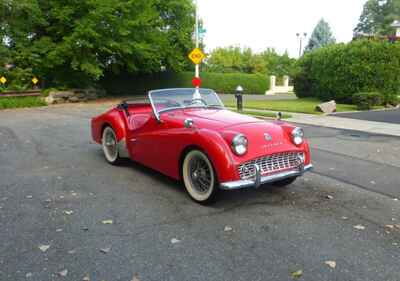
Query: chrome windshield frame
{"points": [[158, 113]]}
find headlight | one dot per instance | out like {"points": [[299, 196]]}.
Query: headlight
{"points": [[297, 136], [239, 144]]}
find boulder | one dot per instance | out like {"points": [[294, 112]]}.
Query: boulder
{"points": [[62, 95], [74, 99], [327, 107]]}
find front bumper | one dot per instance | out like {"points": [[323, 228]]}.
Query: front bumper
{"points": [[259, 180]]}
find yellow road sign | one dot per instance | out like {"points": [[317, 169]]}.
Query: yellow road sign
{"points": [[3, 80], [196, 56], [35, 80]]}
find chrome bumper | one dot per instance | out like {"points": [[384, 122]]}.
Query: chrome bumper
{"points": [[259, 180]]}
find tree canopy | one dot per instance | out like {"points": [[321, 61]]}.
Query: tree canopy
{"points": [[77, 41], [321, 36], [377, 16], [236, 59]]}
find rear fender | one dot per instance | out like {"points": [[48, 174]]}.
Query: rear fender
{"points": [[117, 120]]}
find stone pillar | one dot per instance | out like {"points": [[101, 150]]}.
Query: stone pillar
{"points": [[272, 80], [286, 81]]}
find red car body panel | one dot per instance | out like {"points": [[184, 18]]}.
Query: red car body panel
{"points": [[162, 145]]}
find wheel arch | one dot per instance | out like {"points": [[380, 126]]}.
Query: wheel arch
{"points": [[217, 151]]}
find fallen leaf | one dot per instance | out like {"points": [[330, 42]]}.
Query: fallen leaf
{"points": [[63, 273], [397, 226], [228, 228], [135, 278], [344, 218], [29, 197], [297, 274], [331, 264], [107, 222], [44, 248], [28, 275], [395, 199], [71, 252], [69, 212], [73, 194], [359, 227], [329, 197], [86, 278], [105, 250], [59, 230], [174, 240], [391, 226]]}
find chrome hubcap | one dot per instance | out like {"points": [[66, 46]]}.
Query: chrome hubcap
{"points": [[110, 145]]}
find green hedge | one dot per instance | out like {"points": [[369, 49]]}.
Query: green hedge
{"points": [[19, 102], [126, 84], [338, 71]]}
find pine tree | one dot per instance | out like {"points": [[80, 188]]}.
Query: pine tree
{"points": [[321, 36]]}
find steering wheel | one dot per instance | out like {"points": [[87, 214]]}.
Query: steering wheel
{"points": [[201, 100]]}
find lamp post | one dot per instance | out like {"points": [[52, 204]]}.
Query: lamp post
{"points": [[301, 37]]}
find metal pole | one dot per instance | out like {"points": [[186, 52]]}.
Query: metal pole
{"points": [[301, 46], [197, 66]]}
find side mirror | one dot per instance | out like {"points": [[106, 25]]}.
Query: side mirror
{"points": [[188, 123]]}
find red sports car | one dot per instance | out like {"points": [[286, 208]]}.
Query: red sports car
{"points": [[188, 135]]}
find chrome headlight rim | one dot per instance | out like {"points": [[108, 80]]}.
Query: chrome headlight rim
{"points": [[298, 136], [239, 144]]}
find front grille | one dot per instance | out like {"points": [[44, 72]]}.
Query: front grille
{"points": [[270, 164]]}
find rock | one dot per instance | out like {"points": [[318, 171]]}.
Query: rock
{"points": [[62, 95], [74, 99], [327, 107]]}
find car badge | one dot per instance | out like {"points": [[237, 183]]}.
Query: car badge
{"points": [[267, 137]]}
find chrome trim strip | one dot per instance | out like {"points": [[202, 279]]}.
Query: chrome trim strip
{"points": [[260, 180]]}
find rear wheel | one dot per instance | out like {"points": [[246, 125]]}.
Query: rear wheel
{"points": [[285, 182], [199, 177], [110, 146]]}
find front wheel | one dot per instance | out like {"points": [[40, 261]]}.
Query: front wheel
{"points": [[199, 177]]}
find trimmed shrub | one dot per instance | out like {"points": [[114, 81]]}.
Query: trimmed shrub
{"points": [[337, 71], [365, 101], [128, 84]]}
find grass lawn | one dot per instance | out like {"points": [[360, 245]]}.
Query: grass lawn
{"points": [[18, 102], [304, 105], [263, 114]]}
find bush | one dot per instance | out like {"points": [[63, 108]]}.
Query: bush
{"points": [[337, 71], [365, 101], [18, 102], [126, 84]]}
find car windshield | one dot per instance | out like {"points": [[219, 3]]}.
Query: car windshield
{"points": [[164, 100]]}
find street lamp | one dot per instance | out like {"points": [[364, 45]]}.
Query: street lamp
{"points": [[301, 37]]}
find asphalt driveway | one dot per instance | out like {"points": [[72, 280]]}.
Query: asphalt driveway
{"points": [[65, 214], [388, 116]]}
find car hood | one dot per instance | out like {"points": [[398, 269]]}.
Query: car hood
{"points": [[217, 119]]}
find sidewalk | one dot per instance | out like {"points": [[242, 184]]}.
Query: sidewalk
{"points": [[344, 123]]}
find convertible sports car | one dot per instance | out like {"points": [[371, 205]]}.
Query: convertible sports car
{"points": [[188, 135]]}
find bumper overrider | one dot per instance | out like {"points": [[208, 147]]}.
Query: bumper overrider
{"points": [[260, 180]]}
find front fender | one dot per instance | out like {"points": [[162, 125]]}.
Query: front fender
{"points": [[219, 153]]}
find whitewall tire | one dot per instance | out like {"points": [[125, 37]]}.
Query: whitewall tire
{"points": [[110, 146], [199, 177]]}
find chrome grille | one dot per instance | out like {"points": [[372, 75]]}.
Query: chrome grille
{"points": [[270, 164]]}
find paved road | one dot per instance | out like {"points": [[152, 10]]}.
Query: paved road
{"points": [[56, 189], [388, 116]]}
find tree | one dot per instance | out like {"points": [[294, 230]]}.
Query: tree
{"points": [[321, 36], [77, 41], [235, 59], [377, 16]]}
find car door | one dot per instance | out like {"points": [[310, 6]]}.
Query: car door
{"points": [[146, 139]]}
